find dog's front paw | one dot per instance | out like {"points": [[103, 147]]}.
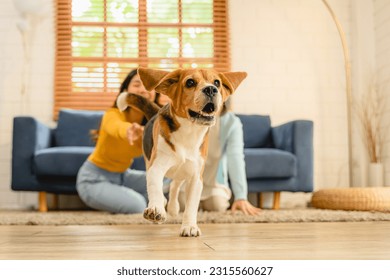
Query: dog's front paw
{"points": [[173, 208], [187, 230], [155, 214]]}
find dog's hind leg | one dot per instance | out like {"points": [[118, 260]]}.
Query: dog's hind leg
{"points": [[173, 206]]}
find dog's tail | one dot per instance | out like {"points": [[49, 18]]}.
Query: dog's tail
{"points": [[138, 102]]}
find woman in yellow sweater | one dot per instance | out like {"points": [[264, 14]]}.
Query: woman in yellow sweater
{"points": [[105, 182]]}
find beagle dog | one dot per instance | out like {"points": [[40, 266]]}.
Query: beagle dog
{"points": [[175, 137]]}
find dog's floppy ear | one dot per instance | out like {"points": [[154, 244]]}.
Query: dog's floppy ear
{"points": [[158, 80], [231, 80], [151, 77]]}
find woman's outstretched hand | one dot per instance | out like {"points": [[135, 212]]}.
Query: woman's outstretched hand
{"points": [[245, 206], [134, 132]]}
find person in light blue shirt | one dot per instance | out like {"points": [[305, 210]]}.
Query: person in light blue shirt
{"points": [[225, 164]]}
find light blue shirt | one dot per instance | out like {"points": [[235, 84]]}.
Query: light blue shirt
{"points": [[232, 164]]}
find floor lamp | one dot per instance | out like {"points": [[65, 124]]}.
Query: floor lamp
{"points": [[348, 78]]}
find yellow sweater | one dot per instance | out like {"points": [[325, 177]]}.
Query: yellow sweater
{"points": [[113, 151]]}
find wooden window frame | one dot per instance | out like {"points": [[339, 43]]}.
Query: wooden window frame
{"points": [[65, 97]]}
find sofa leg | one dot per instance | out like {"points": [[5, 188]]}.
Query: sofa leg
{"points": [[260, 199], [276, 205], [42, 202]]}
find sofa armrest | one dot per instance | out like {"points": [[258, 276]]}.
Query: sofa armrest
{"points": [[29, 136], [297, 137]]}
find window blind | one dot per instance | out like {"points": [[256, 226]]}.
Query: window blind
{"points": [[99, 41]]}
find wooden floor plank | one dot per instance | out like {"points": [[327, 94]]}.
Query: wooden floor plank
{"points": [[363, 240]]}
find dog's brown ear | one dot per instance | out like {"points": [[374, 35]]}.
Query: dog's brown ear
{"points": [[159, 80], [151, 77], [168, 83], [231, 80]]}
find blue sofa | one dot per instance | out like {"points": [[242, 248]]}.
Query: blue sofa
{"points": [[277, 158], [46, 160]]}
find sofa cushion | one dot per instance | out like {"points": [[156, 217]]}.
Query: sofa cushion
{"points": [[257, 131], [60, 161], [74, 127], [269, 163], [138, 164]]}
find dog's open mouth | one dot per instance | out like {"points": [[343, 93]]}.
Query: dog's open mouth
{"points": [[209, 108], [205, 116], [196, 115]]}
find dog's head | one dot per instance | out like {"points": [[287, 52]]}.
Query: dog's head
{"points": [[196, 94]]}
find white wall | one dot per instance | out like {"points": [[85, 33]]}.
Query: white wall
{"points": [[38, 100], [382, 41], [294, 59], [363, 73], [290, 49]]}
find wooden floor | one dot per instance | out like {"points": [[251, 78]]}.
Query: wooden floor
{"points": [[284, 241]]}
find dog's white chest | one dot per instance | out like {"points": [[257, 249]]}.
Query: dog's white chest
{"points": [[186, 154], [188, 139]]}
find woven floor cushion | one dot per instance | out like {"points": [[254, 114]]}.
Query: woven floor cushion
{"points": [[360, 199]]}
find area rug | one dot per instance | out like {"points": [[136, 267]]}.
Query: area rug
{"points": [[266, 216]]}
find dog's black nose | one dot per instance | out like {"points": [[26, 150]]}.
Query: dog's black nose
{"points": [[210, 91]]}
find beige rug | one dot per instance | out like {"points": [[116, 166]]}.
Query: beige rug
{"points": [[266, 216]]}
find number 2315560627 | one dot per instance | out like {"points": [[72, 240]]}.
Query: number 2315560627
{"points": [[218, 270]]}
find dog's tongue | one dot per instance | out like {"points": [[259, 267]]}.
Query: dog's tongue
{"points": [[209, 108]]}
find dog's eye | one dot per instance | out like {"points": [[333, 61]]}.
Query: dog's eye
{"points": [[190, 83], [217, 83]]}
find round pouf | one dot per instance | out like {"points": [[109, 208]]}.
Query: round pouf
{"points": [[360, 199]]}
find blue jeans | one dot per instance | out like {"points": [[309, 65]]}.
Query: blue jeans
{"points": [[110, 191]]}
